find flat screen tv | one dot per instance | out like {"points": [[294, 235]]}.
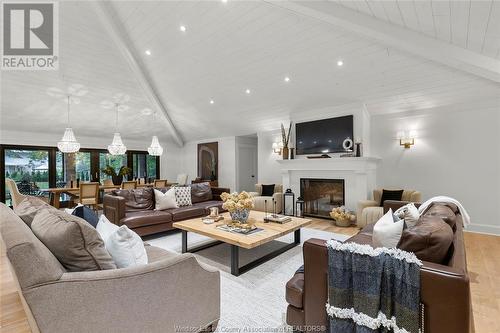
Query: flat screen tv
{"points": [[323, 136]]}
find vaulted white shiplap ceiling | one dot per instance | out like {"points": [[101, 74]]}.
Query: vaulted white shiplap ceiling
{"points": [[474, 25], [226, 49]]}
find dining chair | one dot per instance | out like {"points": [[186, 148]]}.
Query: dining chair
{"points": [[182, 179], [89, 194], [107, 182], [15, 195], [129, 184], [160, 183]]}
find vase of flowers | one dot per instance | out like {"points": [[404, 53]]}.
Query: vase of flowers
{"points": [[342, 217], [238, 205]]}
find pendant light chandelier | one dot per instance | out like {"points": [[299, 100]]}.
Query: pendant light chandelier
{"points": [[68, 143], [70, 95], [155, 149], [117, 147]]}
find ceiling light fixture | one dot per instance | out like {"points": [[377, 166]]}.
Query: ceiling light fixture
{"points": [[248, 91], [155, 149], [182, 28], [223, 1], [287, 79], [117, 147], [68, 143], [148, 52], [212, 101], [340, 63]]}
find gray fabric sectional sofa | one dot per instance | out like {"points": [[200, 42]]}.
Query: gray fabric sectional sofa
{"points": [[172, 292]]}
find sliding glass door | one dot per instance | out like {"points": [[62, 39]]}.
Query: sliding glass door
{"points": [[36, 168], [144, 166], [115, 161], [29, 168]]}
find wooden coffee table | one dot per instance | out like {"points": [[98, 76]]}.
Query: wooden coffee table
{"points": [[270, 232]]}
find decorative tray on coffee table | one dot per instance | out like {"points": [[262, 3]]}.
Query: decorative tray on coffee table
{"points": [[240, 228]]}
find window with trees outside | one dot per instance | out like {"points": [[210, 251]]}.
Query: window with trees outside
{"points": [[35, 169], [29, 169]]}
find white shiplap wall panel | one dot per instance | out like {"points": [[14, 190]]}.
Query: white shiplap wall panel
{"points": [[479, 17], [425, 17], [409, 14], [459, 22], [441, 13], [393, 13], [378, 9]]}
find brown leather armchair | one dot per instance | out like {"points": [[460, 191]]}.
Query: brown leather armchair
{"points": [[445, 290]]}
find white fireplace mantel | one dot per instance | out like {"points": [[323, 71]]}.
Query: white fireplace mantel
{"points": [[359, 174]]}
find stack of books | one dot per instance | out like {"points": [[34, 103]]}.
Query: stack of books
{"points": [[277, 218]]}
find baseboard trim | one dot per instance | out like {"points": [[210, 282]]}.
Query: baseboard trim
{"points": [[484, 229]]}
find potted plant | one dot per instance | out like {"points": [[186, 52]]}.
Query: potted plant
{"points": [[285, 138], [238, 205], [117, 178]]}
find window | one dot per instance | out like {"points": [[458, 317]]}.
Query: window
{"points": [[72, 167], [151, 165], [115, 161], [144, 166], [29, 169], [36, 168]]}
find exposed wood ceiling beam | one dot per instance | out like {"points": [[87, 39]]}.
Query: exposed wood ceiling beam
{"points": [[116, 31], [396, 37]]}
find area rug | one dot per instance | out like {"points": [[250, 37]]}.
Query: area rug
{"points": [[255, 300]]}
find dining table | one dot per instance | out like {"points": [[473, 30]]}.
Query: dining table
{"points": [[56, 192]]}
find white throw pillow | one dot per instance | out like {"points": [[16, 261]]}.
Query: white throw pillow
{"points": [[126, 248], [409, 213], [386, 232], [183, 195], [165, 200], [105, 228]]}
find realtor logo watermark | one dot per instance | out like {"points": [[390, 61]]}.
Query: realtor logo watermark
{"points": [[30, 36]]}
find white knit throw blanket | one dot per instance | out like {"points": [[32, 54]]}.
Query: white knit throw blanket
{"points": [[442, 198]]}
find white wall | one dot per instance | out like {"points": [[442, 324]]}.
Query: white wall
{"points": [[456, 153], [169, 162], [227, 160]]}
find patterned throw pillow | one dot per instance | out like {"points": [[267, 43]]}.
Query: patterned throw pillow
{"points": [[183, 195]]}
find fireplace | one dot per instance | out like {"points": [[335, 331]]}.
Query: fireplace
{"points": [[321, 195]]}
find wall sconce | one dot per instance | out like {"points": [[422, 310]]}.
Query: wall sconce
{"points": [[407, 138], [277, 146]]}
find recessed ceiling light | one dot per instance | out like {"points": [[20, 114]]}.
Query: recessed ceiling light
{"points": [[212, 101], [287, 79], [148, 52], [182, 28], [340, 63], [223, 1], [247, 91]]}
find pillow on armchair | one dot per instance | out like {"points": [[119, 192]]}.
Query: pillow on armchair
{"points": [[268, 190], [391, 195]]}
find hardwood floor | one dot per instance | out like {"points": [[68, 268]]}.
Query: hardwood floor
{"points": [[483, 260]]}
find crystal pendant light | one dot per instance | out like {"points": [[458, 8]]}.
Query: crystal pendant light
{"points": [[68, 143], [155, 149], [117, 147]]}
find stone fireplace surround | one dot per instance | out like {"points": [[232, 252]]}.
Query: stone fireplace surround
{"points": [[359, 174]]}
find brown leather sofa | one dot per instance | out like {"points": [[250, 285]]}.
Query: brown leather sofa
{"points": [[445, 289], [135, 208]]}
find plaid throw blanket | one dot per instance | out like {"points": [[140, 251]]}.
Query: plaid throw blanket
{"points": [[372, 290]]}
